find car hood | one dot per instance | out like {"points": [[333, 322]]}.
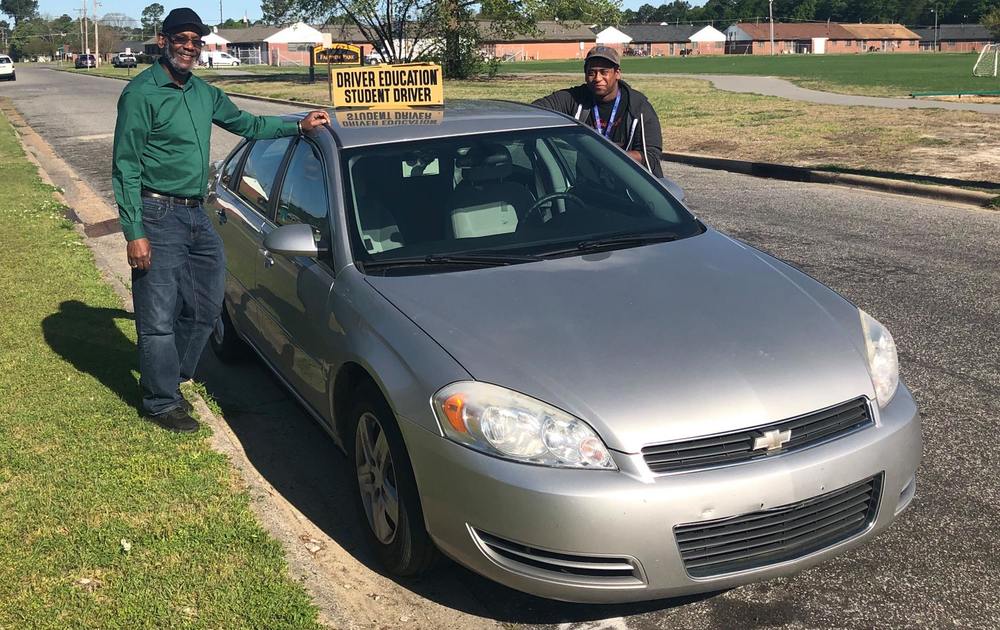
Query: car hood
{"points": [[649, 344]]}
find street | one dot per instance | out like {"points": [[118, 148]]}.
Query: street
{"points": [[929, 271]]}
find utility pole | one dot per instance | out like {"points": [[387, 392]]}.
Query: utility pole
{"points": [[934, 11], [86, 30], [220, 13], [97, 45], [770, 11]]}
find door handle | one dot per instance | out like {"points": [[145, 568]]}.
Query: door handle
{"points": [[222, 215]]}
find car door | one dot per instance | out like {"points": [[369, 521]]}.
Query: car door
{"points": [[294, 291], [239, 210]]}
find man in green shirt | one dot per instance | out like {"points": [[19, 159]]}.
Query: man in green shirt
{"points": [[160, 173]]}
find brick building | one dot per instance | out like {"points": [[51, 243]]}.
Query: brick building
{"points": [[819, 38]]}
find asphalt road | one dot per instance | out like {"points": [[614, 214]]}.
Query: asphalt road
{"points": [[929, 271]]}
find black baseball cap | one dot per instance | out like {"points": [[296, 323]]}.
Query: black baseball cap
{"points": [[183, 19]]}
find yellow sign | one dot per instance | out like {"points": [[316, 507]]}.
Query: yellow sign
{"points": [[337, 54], [387, 87], [388, 117]]}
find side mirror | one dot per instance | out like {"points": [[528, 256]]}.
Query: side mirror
{"points": [[672, 188], [296, 239]]}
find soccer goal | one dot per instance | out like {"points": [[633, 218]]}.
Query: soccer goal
{"points": [[989, 59]]}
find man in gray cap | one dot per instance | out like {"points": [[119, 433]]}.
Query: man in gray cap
{"points": [[159, 175], [613, 108]]}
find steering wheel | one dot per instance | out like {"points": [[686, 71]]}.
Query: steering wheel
{"points": [[550, 197]]}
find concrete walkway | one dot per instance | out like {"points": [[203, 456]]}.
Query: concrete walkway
{"points": [[771, 86]]}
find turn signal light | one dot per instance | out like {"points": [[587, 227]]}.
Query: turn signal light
{"points": [[453, 408]]}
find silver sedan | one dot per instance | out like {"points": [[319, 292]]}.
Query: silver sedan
{"points": [[543, 365]]}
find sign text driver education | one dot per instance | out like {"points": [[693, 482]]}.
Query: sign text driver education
{"points": [[388, 86]]}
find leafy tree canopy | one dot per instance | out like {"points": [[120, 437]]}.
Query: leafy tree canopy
{"points": [[19, 10]]}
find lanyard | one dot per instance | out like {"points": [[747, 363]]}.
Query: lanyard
{"points": [[606, 131]]}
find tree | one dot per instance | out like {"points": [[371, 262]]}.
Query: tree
{"points": [[279, 12], [19, 9], [992, 22], [151, 17], [589, 11], [118, 21]]}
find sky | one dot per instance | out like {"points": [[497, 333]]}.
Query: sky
{"points": [[207, 9]]}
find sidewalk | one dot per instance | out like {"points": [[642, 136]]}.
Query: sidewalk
{"points": [[771, 86]]}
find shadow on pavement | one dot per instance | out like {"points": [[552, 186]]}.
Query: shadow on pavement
{"points": [[301, 462]]}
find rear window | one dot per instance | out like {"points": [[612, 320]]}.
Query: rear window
{"points": [[5, 60]]}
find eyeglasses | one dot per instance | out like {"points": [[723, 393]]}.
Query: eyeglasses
{"points": [[179, 40]]}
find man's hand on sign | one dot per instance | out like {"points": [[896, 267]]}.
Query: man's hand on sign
{"points": [[314, 119], [139, 254]]}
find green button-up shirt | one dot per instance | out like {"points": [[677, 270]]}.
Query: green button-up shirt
{"points": [[162, 139]]}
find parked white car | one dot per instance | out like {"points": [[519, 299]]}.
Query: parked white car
{"points": [[218, 58], [7, 69]]}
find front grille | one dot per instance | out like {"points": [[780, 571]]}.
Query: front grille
{"points": [[592, 570], [783, 533], [737, 447]]}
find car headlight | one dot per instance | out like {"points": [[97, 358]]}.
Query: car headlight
{"points": [[883, 364], [502, 422]]}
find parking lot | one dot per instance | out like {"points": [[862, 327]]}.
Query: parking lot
{"points": [[929, 271]]}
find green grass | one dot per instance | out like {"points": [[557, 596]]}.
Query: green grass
{"points": [[876, 74], [80, 472]]}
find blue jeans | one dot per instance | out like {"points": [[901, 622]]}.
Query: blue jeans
{"points": [[177, 300]]}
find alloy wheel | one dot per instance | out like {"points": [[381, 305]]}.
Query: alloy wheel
{"points": [[376, 478]]}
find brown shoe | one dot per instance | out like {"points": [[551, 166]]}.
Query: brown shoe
{"points": [[177, 420]]}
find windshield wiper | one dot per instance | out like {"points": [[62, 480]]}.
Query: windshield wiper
{"points": [[631, 239], [483, 260]]}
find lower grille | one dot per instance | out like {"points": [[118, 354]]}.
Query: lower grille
{"points": [[779, 534], [739, 446], [591, 570]]}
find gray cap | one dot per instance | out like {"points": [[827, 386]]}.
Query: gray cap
{"points": [[603, 52]]}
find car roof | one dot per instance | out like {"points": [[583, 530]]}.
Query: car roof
{"points": [[352, 128]]}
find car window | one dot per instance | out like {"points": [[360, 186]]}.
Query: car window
{"points": [[525, 192], [229, 170], [304, 197], [260, 171], [5, 60]]}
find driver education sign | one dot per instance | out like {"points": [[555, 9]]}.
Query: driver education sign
{"points": [[387, 87]]}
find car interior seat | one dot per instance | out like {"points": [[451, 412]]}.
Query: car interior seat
{"points": [[372, 177], [486, 202]]}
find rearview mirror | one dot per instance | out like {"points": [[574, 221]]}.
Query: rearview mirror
{"points": [[297, 239], [672, 188]]}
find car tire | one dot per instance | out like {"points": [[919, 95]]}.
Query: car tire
{"points": [[382, 469], [226, 342]]}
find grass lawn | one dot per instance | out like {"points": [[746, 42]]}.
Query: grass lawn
{"points": [[697, 118], [107, 521], [894, 74]]}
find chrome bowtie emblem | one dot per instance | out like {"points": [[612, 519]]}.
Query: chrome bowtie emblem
{"points": [[772, 440]]}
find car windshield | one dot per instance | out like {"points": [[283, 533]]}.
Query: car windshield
{"points": [[524, 194]]}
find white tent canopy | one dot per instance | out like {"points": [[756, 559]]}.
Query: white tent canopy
{"points": [[709, 34], [300, 32], [612, 35]]}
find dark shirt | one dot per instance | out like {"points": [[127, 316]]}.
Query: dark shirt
{"points": [[162, 139]]}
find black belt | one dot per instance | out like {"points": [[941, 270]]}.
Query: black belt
{"points": [[182, 201]]}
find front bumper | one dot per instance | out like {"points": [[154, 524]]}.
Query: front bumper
{"points": [[626, 518]]}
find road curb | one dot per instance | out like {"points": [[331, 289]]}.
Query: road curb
{"points": [[801, 174]]}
